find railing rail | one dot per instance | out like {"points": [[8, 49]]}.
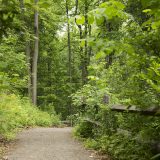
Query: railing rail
{"points": [[152, 111]]}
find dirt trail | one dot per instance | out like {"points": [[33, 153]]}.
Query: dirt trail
{"points": [[48, 144]]}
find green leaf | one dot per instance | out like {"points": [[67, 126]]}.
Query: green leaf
{"points": [[5, 16], [99, 19], [93, 78], [44, 5], [147, 10], [155, 25], [80, 20], [90, 19], [100, 55], [82, 44]]}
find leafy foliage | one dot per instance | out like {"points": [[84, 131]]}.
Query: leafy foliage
{"points": [[17, 113], [122, 70], [114, 59]]}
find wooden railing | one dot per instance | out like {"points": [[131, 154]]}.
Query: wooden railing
{"points": [[152, 111]]}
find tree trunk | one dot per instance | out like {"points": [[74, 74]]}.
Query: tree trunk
{"points": [[35, 57], [85, 60], [28, 51], [69, 44], [69, 56], [80, 37], [28, 59], [108, 29], [76, 10], [90, 48]]}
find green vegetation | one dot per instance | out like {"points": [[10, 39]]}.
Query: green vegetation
{"points": [[76, 59], [123, 69], [16, 110], [17, 113]]}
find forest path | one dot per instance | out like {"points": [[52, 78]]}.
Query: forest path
{"points": [[48, 144]]}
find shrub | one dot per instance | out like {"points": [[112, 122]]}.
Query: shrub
{"points": [[83, 129], [50, 109], [16, 113], [92, 144], [123, 147]]}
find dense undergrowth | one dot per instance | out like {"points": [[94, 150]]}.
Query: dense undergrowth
{"points": [[124, 70], [121, 136], [17, 113], [119, 143]]}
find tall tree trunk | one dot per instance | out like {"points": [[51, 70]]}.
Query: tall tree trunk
{"points": [[83, 53], [28, 59], [80, 37], [28, 51], [90, 48], [109, 58], [35, 57], [85, 58], [69, 44], [69, 56], [76, 9]]}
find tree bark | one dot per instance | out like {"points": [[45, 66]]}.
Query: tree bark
{"points": [[76, 10], [28, 50], [28, 59], [69, 44], [85, 60], [80, 37], [69, 56], [90, 48], [35, 57], [83, 53]]}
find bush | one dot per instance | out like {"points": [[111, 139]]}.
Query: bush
{"points": [[91, 144], [55, 120], [123, 147], [50, 109], [83, 129], [16, 113]]}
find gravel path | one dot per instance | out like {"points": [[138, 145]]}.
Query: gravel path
{"points": [[48, 144]]}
